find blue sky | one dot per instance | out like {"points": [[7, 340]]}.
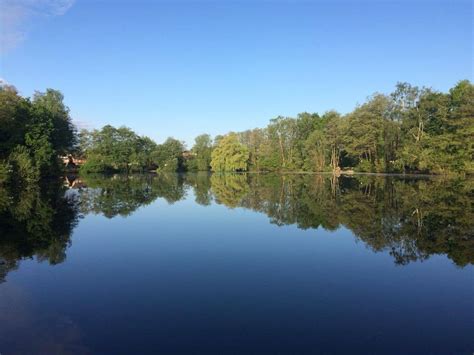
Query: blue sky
{"points": [[182, 68]]}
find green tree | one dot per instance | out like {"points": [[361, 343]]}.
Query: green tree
{"points": [[202, 149], [14, 116], [230, 155], [316, 146], [253, 140], [169, 155], [49, 132], [116, 149], [306, 123], [51, 104], [365, 131], [282, 135], [22, 165]]}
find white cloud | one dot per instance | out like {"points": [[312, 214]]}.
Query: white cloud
{"points": [[16, 17]]}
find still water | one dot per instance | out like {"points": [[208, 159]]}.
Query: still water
{"points": [[230, 264]]}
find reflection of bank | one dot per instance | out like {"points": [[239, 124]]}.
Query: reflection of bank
{"points": [[36, 222], [379, 211], [122, 195]]}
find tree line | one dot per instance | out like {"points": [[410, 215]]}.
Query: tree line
{"points": [[411, 130]]}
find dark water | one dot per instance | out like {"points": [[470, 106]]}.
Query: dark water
{"points": [[234, 264]]}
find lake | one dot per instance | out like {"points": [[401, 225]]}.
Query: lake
{"points": [[244, 263]]}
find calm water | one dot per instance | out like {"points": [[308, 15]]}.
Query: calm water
{"points": [[232, 264]]}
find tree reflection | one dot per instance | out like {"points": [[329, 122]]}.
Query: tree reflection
{"points": [[411, 219], [35, 222], [229, 189], [115, 196], [121, 195], [201, 184]]}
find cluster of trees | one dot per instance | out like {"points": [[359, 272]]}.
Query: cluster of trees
{"points": [[113, 149], [410, 130], [33, 134]]}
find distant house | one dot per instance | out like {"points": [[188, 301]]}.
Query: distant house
{"points": [[188, 154], [70, 160]]}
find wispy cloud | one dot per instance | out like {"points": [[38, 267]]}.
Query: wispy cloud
{"points": [[17, 16]]}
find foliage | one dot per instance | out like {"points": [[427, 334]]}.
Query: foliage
{"points": [[411, 130], [5, 169], [230, 155], [115, 149], [202, 149], [22, 165], [14, 117], [33, 133], [169, 156]]}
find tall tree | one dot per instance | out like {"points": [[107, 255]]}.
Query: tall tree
{"points": [[169, 155], [230, 155], [364, 136], [14, 116], [202, 149]]}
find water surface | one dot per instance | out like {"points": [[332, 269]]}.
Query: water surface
{"points": [[229, 264]]}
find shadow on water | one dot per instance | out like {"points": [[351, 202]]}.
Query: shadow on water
{"points": [[410, 218]]}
